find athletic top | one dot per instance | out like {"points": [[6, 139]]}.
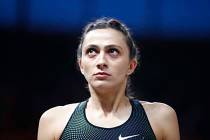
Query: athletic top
{"points": [[137, 127]]}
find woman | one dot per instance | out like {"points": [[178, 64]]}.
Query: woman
{"points": [[107, 56]]}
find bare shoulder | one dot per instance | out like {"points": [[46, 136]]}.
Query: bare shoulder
{"points": [[57, 111], [162, 109], [163, 120], [53, 121]]}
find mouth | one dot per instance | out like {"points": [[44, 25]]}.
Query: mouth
{"points": [[102, 75]]}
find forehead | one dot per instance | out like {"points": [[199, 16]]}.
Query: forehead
{"points": [[105, 37]]}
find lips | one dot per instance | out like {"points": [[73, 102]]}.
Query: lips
{"points": [[102, 75]]}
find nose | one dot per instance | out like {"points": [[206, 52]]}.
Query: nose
{"points": [[101, 63]]}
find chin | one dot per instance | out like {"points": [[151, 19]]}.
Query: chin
{"points": [[102, 85]]}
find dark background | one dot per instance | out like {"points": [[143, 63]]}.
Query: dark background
{"points": [[38, 60]]}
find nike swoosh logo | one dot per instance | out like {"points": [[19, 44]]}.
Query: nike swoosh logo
{"points": [[127, 137]]}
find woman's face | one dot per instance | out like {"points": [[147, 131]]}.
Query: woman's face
{"points": [[105, 59]]}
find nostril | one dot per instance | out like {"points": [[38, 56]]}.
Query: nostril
{"points": [[101, 66]]}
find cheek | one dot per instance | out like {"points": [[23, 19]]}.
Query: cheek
{"points": [[85, 72], [86, 67], [122, 67]]}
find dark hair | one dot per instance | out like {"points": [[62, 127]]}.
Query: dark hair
{"points": [[104, 23]]}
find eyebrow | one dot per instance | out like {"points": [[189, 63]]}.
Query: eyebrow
{"points": [[91, 46], [107, 46], [115, 46]]}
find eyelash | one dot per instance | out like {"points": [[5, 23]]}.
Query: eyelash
{"points": [[113, 49], [91, 49], [91, 52]]}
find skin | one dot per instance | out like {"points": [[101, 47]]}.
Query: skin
{"points": [[105, 50]]}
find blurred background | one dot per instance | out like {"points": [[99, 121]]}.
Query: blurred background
{"points": [[38, 60]]}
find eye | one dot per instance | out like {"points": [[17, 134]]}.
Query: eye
{"points": [[113, 52], [91, 52]]}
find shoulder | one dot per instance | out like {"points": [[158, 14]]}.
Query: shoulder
{"points": [[53, 121], [162, 109], [58, 110], [163, 119]]}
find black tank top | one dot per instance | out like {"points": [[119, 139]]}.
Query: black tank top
{"points": [[137, 127]]}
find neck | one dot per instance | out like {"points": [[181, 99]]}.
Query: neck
{"points": [[108, 102]]}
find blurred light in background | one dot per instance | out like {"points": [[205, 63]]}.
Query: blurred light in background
{"points": [[8, 13], [176, 18]]}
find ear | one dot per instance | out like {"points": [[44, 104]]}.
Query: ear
{"points": [[132, 66], [79, 61]]}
